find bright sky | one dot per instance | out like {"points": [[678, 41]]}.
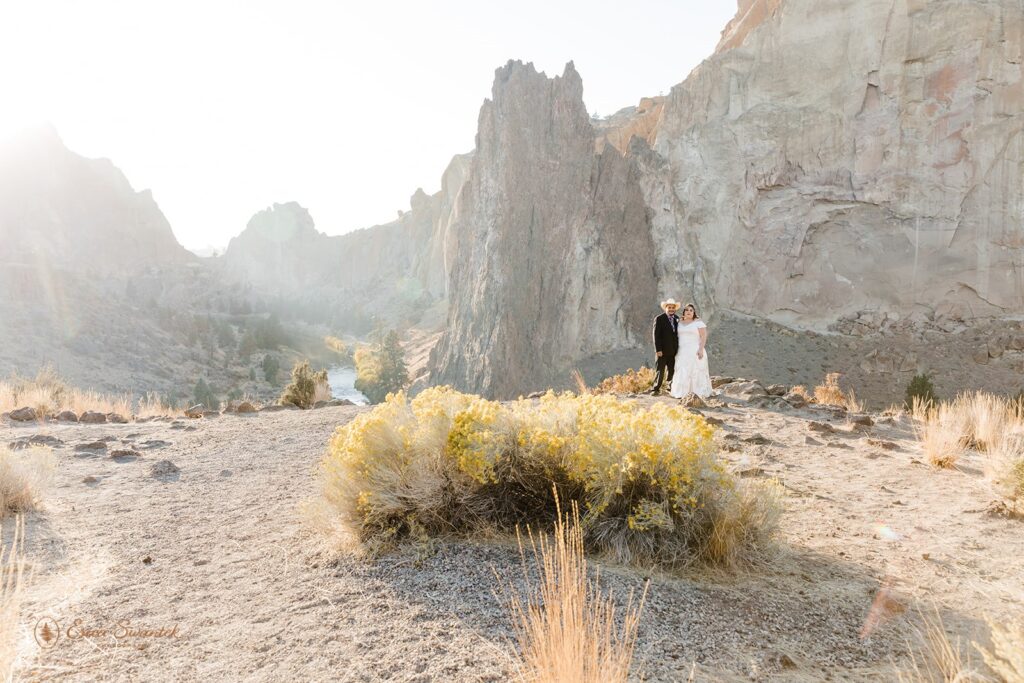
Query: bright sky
{"points": [[223, 108]]}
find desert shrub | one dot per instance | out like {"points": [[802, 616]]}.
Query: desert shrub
{"points": [[25, 476], [920, 388], [648, 483], [830, 393], [307, 387], [567, 630], [801, 390], [630, 382], [380, 369]]}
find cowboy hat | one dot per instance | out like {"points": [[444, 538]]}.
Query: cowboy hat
{"points": [[670, 302]]}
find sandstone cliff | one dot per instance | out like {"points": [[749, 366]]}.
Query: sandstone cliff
{"points": [[832, 164]]}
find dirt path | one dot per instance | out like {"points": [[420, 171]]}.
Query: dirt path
{"points": [[218, 551]]}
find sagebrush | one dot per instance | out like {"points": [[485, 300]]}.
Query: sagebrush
{"points": [[647, 480], [630, 382], [307, 387]]}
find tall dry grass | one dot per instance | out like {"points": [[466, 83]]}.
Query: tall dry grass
{"points": [[25, 476], [12, 568], [992, 425], [830, 393], [47, 394], [936, 657], [567, 630]]}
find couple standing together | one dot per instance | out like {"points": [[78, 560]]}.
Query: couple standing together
{"points": [[679, 344]]}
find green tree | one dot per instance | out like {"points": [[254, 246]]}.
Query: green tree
{"points": [[920, 387], [205, 395], [306, 387], [270, 367], [381, 370]]}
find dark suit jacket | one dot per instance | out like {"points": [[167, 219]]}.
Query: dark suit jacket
{"points": [[665, 338]]}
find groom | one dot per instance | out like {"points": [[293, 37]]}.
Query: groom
{"points": [[666, 343]]}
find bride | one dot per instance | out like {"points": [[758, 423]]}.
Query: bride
{"points": [[692, 375]]}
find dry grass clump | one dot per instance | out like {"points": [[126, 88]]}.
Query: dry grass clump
{"points": [[25, 476], [567, 629], [49, 395], [1006, 658], [651, 490], [630, 382], [937, 657], [830, 393], [943, 431], [989, 424], [12, 567]]}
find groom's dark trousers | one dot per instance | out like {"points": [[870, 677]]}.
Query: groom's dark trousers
{"points": [[666, 340]]}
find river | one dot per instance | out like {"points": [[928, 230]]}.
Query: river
{"points": [[342, 381]]}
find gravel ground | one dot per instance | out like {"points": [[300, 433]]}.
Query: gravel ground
{"points": [[218, 550]]}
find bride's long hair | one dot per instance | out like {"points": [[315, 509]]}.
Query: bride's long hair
{"points": [[696, 315]]}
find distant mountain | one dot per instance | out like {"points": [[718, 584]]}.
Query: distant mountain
{"points": [[61, 210]]}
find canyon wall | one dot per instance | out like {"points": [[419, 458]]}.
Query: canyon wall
{"points": [[834, 168]]}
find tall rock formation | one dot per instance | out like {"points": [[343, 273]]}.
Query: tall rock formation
{"points": [[554, 256], [834, 167]]}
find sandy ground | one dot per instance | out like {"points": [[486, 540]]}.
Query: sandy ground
{"points": [[216, 554]]}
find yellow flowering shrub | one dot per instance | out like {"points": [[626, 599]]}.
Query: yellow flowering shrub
{"points": [[649, 485]]}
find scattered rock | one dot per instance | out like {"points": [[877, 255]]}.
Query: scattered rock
{"points": [[211, 413], [23, 415], [163, 468], [36, 440], [744, 389], [862, 420], [752, 471], [194, 412], [125, 454], [226, 473], [245, 407], [153, 443], [92, 446], [90, 480], [821, 427], [67, 416], [719, 381], [811, 441], [536, 394], [114, 418], [776, 389], [885, 445], [795, 399], [718, 422], [92, 418], [693, 401], [758, 439], [838, 444], [147, 560]]}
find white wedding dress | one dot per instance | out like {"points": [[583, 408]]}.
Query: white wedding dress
{"points": [[692, 375]]}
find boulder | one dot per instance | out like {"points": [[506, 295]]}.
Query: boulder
{"points": [[163, 468], [23, 415], [67, 416], [195, 411], [245, 407], [115, 418], [92, 418]]}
